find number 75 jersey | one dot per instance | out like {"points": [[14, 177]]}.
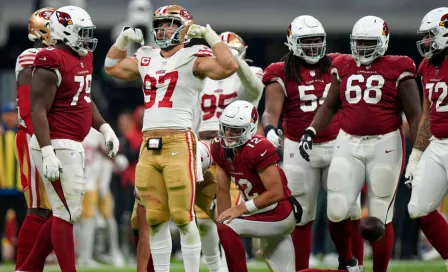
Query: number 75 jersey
{"points": [[434, 81], [170, 89], [369, 93]]}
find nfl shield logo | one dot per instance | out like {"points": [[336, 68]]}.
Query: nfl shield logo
{"points": [[82, 65], [312, 73]]}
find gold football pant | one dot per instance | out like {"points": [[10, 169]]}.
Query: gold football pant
{"points": [[165, 180]]}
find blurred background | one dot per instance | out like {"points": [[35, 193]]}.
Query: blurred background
{"points": [[262, 24]]}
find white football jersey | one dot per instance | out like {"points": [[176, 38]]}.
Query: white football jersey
{"points": [[217, 94], [92, 143], [26, 59], [171, 90]]}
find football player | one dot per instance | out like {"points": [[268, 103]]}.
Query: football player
{"points": [[62, 109], [39, 208], [97, 196], [250, 161], [295, 89], [217, 94], [173, 77], [371, 89], [427, 167]]}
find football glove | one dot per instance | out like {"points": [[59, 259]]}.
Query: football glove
{"points": [[207, 33], [110, 139], [129, 34], [51, 164], [306, 143], [414, 158], [274, 135]]}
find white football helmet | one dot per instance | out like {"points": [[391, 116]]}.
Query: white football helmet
{"points": [[434, 32], [241, 118], [176, 15], [73, 26], [369, 39], [206, 156], [303, 27]]}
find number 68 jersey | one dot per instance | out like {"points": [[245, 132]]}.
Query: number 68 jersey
{"points": [[369, 93], [170, 89]]}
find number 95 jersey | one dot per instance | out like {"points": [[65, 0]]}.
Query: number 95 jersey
{"points": [[70, 115], [369, 93], [218, 94], [170, 88]]}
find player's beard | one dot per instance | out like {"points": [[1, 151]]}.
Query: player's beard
{"points": [[438, 58]]}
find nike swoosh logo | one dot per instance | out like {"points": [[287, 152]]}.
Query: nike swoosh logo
{"points": [[388, 151], [44, 58], [174, 153], [262, 154]]}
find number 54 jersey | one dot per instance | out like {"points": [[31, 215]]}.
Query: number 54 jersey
{"points": [[369, 93], [170, 88]]}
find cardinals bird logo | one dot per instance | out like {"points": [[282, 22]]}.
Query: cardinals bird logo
{"points": [[385, 29], [254, 115], [444, 21], [289, 32], [64, 18]]}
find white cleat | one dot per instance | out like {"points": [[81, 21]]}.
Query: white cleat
{"points": [[118, 259], [88, 263]]}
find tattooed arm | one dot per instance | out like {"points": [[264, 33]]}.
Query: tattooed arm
{"points": [[421, 142]]}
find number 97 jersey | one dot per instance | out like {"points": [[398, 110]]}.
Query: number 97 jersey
{"points": [[369, 93]]}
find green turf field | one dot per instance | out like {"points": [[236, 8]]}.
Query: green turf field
{"points": [[395, 266]]}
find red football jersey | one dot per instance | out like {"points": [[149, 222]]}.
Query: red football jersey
{"points": [[255, 155], [70, 116], [434, 81], [302, 100], [369, 93]]}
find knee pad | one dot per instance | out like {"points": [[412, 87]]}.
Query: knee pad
{"points": [[337, 207], [156, 217], [416, 210], [89, 204], [107, 205], [181, 217]]}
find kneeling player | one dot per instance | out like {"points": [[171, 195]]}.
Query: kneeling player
{"points": [[251, 163]]}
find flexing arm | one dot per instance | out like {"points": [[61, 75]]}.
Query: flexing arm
{"points": [[408, 92], [219, 67], [253, 87], [117, 64], [223, 193], [42, 92], [328, 109]]}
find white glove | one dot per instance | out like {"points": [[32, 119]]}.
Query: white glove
{"points": [[206, 158], [110, 138], [414, 158], [275, 137], [129, 34], [207, 33], [51, 164]]}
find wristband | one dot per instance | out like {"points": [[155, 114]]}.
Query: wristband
{"points": [[250, 206], [267, 128], [312, 129]]}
